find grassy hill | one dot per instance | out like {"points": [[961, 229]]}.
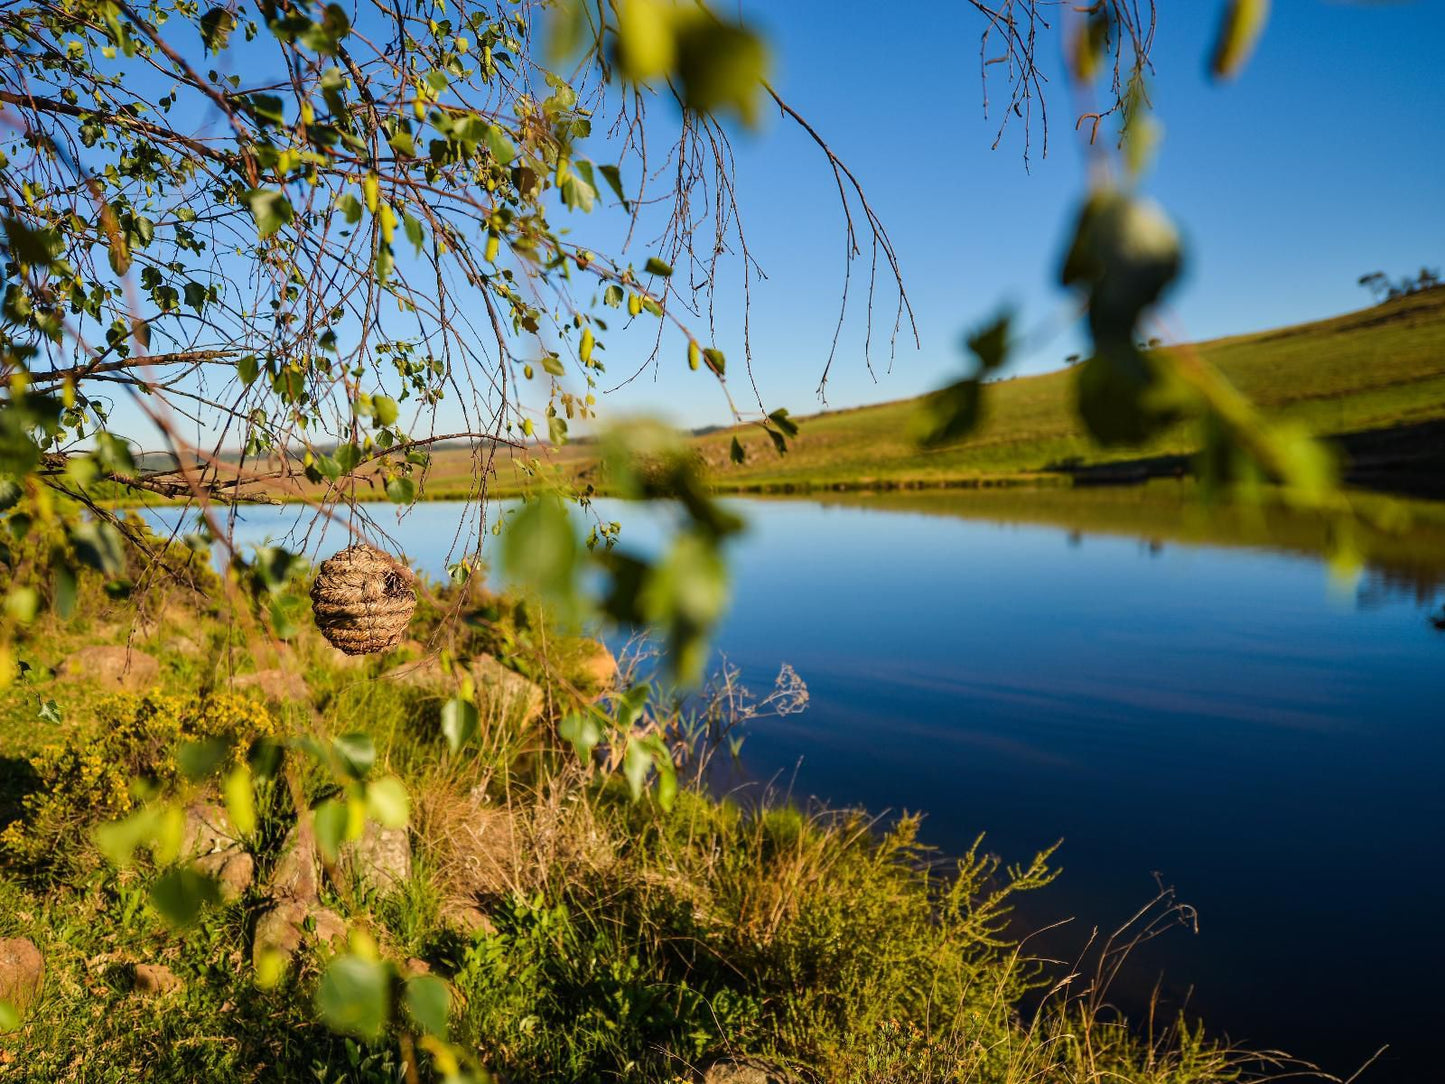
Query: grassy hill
{"points": [[1377, 368]]}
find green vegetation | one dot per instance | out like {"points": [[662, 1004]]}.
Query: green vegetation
{"points": [[575, 932]]}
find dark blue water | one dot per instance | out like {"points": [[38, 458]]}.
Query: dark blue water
{"points": [[1227, 718]]}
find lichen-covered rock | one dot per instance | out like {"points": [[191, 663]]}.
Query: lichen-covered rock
{"points": [[211, 841], [737, 1072], [22, 973], [112, 667], [274, 684], [297, 875], [156, 980], [290, 925], [501, 693], [379, 861], [234, 870]]}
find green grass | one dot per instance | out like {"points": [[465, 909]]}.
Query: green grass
{"points": [[1380, 367], [622, 942]]}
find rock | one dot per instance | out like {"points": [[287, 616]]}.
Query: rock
{"points": [[209, 838], [183, 645], [506, 692], [736, 1072], [466, 918], [156, 980], [380, 860], [207, 829], [415, 965], [501, 693], [297, 875], [233, 870], [597, 667], [283, 930], [22, 973], [112, 667], [274, 684]]}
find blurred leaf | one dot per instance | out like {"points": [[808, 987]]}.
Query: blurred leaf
{"points": [[9, 1017], [119, 840], [387, 802], [271, 210], [98, 544], [460, 722], [630, 705], [657, 267], [990, 344], [540, 548], [428, 1003], [636, 763], [66, 589], [582, 731], [180, 893], [240, 800], [646, 47], [721, 66], [1239, 33], [197, 760], [353, 997], [400, 490], [736, 453], [330, 820], [355, 752], [950, 413], [216, 27]]}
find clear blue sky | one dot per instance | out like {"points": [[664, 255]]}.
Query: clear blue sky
{"points": [[1324, 160]]}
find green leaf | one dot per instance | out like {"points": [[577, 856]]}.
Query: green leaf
{"points": [[9, 1017], [460, 722], [786, 424], [400, 490], [240, 800], [271, 210], [216, 27], [722, 67], [613, 295], [950, 413], [387, 802], [119, 840], [736, 453], [199, 759], [636, 763], [353, 997], [630, 705], [348, 457], [66, 589], [553, 364], [655, 266], [613, 176], [355, 753], [180, 893], [540, 549], [990, 344], [1239, 33], [98, 544], [384, 409], [428, 1003], [501, 145], [248, 369], [330, 819], [715, 360], [582, 731]]}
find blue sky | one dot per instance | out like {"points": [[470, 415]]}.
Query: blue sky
{"points": [[1324, 160]]}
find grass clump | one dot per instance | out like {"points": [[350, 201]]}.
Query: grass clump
{"points": [[582, 935]]}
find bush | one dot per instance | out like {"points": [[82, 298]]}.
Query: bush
{"points": [[134, 748]]}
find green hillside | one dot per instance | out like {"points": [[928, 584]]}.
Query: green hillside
{"points": [[1380, 367]]}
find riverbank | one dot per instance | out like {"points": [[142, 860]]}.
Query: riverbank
{"points": [[581, 934]]}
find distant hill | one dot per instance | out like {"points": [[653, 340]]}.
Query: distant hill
{"points": [[1381, 368]]}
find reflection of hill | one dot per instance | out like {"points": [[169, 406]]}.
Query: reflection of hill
{"points": [[1409, 562]]}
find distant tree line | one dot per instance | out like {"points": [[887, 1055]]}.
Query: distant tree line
{"points": [[1380, 284]]}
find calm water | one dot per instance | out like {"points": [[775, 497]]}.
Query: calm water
{"points": [[1270, 744]]}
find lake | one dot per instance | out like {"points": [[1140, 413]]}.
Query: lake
{"points": [[1162, 692]]}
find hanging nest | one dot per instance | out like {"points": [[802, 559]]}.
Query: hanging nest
{"points": [[363, 600]]}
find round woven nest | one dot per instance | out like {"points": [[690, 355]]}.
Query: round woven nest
{"points": [[363, 600]]}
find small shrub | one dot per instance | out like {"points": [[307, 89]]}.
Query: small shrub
{"points": [[95, 776]]}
